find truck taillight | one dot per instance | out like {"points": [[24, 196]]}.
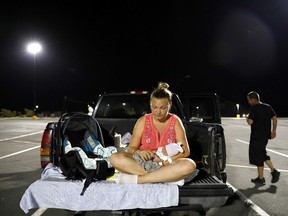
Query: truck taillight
{"points": [[46, 138], [45, 151], [45, 148]]}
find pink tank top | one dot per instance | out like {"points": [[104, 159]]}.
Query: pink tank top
{"points": [[150, 138]]}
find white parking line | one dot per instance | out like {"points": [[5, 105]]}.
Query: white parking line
{"points": [[39, 212], [253, 167], [24, 135], [16, 137], [27, 142], [252, 205], [245, 199], [19, 152]]}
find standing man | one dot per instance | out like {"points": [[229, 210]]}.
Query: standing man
{"points": [[260, 120]]}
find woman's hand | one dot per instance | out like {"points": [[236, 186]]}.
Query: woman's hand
{"points": [[145, 154], [157, 159]]}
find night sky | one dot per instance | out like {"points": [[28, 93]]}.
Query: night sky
{"points": [[89, 47]]}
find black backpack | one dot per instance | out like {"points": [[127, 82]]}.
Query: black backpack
{"points": [[74, 126]]}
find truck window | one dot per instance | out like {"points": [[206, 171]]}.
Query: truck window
{"points": [[123, 106], [201, 108]]}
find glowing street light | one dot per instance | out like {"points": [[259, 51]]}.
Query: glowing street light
{"points": [[34, 48], [197, 108], [237, 108]]}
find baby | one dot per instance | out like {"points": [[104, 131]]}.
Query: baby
{"points": [[90, 144], [164, 153]]}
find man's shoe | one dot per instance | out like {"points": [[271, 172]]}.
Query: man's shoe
{"points": [[258, 181], [275, 176]]}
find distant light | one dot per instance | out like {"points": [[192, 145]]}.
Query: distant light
{"points": [[34, 48], [138, 92]]}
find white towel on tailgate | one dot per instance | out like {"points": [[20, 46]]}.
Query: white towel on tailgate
{"points": [[53, 191]]}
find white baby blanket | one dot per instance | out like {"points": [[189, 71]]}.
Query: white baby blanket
{"points": [[54, 191]]}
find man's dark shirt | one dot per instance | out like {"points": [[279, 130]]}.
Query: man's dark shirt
{"points": [[261, 115]]}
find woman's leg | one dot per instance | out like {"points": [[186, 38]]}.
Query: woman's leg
{"points": [[178, 170], [124, 162]]}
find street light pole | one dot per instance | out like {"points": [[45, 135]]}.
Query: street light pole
{"points": [[34, 48], [237, 111]]}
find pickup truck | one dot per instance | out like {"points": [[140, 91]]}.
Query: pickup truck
{"points": [[200, 114]]}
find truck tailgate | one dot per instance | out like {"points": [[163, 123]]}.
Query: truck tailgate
{"points": [[205, 186]]}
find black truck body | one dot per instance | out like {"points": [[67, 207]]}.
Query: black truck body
{"points": [[200, 114]]}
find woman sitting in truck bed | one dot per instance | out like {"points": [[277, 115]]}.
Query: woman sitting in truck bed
{"points": [[151, 131]]}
